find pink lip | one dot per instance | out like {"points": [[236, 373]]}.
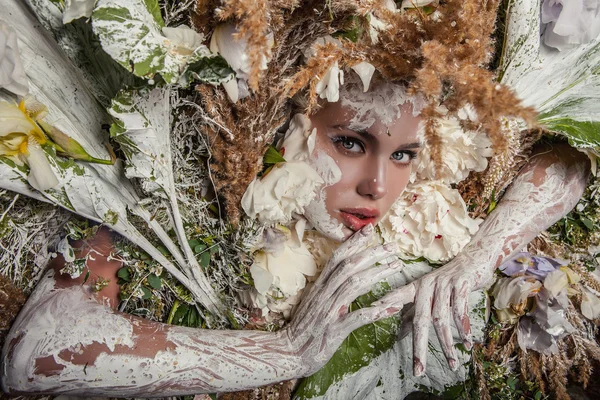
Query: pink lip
{"points": [[357, 218]]}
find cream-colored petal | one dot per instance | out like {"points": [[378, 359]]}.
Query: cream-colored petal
{"points": [[41, 175], [365, 71]]}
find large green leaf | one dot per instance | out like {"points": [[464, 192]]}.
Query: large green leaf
{"points": [[131, 33], [357, 351], [563, 86]]}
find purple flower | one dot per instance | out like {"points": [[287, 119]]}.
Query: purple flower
{"points": [[568, 23], [536, 266]]}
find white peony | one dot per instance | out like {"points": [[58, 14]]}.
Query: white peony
{"points": [[285, 190], [430, 220], [568, 23], [233, 50], [20, 140], [12, 75], [75, 9], [462, 152], [279, 277]]}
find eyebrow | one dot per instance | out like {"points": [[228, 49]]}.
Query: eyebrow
{"points": [[369, 136]]}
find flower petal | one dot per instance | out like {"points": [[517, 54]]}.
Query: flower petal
{"points": [[365, 71], [41, 175], [75, 9]]}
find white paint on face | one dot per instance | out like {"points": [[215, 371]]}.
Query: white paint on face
{"points": [[383, 103], [316, 212]]}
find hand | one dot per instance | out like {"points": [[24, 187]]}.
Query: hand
{"points": [[440, 296], [322, 321]]}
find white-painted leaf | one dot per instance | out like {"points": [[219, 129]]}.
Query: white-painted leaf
{"points": [[563, 86], [131, 32]]}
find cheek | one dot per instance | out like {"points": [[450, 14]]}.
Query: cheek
{"points": [[396, 184]]}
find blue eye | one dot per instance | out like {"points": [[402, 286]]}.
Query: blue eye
{"points": [[348, 144], [403, 157]]}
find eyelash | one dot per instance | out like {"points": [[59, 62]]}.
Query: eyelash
{"points": [[339, 142]]}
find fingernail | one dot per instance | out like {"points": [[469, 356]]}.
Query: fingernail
{"points": [[468, 344], [391, 246], [418, 368], [367, 230], [452, 364]]}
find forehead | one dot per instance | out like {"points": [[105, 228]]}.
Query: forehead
{"points": [[386, 110]]}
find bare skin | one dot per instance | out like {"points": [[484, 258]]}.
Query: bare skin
{"points": [[69, 340]]}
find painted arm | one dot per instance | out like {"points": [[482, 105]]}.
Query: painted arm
{"points": [[68, 339], [545, 190]]}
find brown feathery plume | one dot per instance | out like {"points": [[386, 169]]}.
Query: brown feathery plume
{"points": [[11, 301], [203, 16], [557, 376], [478, 368], [253, 24]]}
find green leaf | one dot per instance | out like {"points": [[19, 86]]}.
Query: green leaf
{"points": [[124, 274], [587, 222], [563, 86], [87, 275], [272, 156], [207, 69], [199, 248], [131, 33], [147, 293], [356, 351], [205, 259], [154, 281], [154, 9]]}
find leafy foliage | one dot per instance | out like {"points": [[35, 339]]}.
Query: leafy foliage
{"points": [[356, 351]]}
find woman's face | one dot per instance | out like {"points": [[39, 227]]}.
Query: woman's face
{"points": [[373, 151]]}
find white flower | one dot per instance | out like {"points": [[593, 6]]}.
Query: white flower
{"points": [[183, 39], [285, 190], [20, 140], [233, 50], [590, 304], [279, 278], [299, 140], [463, 152], [12, 75], [328, 86], [415, 3], [514, 290], [570, 22], [75, 9], [430, 220], [365, 71]]}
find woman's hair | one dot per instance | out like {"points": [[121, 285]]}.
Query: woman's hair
{"points": [[442, 55]]}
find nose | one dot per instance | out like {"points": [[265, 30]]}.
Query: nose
{"points": [[374, 182]]}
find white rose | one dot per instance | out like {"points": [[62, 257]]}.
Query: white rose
{"points": [[12, 75], [75, 9], [20, 140], [415, 3], [233, 50], [285, 190], [430, 220], [463, 152]]}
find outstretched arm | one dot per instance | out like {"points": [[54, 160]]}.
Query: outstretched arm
{"points": [[68, 339], [545, 190]]}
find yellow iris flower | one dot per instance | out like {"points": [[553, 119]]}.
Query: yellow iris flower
{"points": [[20, 140]]}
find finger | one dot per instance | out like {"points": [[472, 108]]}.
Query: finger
{"points": [[421, 321], [362, 283], [441, 322], [360, 262], [356, 243], [364, 316], [398, 298], [460, 311]]}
